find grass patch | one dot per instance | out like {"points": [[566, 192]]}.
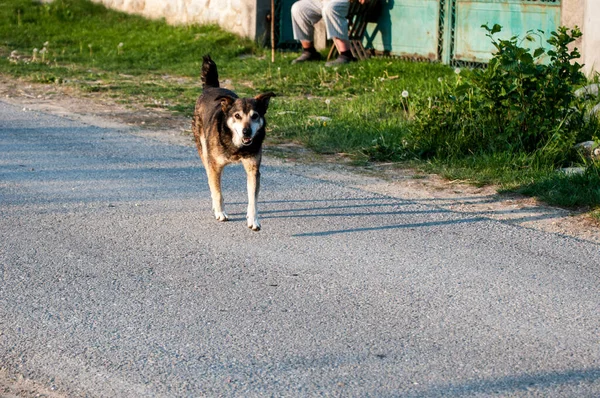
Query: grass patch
{"points": [[373, 110], [505, 169], [80, 34], [574, 190], [577, 189]]}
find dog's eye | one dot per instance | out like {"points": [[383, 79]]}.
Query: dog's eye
{"points": [[238, 116], [254, 116]]}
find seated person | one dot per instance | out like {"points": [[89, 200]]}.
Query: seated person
{"points": [[305, 13]]}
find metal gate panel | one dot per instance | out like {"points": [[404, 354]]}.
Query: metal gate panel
{"points": [[443, 30], [516, 17], [284, 34], [408, 28]]}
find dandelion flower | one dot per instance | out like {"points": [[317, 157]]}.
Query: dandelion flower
{"points": [[404, 94], [328, 101], [43, 52], [457, 71], [440, 79]]}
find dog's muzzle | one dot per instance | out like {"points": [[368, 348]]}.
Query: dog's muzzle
{"points": [[247, 136]]}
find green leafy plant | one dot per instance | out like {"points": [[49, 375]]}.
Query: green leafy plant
{"points": [[519, 103]]}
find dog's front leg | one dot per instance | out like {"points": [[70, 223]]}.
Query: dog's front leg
{"points": [[252, 167], [214, 173]]}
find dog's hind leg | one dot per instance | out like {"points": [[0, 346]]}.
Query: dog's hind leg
{"points": [[252, 167], [214, 173]]}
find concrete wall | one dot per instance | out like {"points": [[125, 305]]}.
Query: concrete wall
{"points": [[591, 36], [586, 15], [243, 17]]}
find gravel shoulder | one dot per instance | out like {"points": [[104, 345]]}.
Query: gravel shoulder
{"points": [[17, 386]]}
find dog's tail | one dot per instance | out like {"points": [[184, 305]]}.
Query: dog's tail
{"points": [[209, 76]]}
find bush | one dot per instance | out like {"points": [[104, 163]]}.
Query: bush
{"points": [[517, 104]]}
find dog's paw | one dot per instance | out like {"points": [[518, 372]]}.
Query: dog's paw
{"points": [[221, 216], [254, 225]]}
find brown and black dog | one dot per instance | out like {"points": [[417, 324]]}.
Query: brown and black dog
{"points": [[229, 129]]}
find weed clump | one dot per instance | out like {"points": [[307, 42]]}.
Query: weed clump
{"points": [[522, 102]]}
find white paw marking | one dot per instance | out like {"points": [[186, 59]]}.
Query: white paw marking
{"points": [[254, 225], [221, 216]]}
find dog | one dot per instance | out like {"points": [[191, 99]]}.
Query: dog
{"points": [[229, 129]]}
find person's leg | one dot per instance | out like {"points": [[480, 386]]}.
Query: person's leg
{"points": [[335, 13], [335, 16], [305, 13], [341, 45]]}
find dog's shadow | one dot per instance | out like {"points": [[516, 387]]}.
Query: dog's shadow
{"points": [[373, 213]]}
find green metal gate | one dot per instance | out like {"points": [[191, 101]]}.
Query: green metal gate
{"points": [[450, 30], [284, 35], [517, 17], [408, 28]]}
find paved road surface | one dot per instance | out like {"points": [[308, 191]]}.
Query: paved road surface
{"points": [[115, 281]]}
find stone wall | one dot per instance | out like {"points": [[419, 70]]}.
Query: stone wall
{"points": [[246, 18], [591, 36], [586, 15]]}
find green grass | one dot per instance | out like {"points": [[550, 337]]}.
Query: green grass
{"points": [[514, 173], [579, 190], [358, 109], [364, 100], [81, 34]]}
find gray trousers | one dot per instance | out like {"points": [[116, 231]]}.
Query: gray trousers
{"points": [[305, 13]]}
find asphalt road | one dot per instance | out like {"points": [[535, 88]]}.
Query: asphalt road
{"points": [[115, 281]]}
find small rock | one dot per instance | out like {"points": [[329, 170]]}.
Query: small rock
{"points": [[321, 118], [589, 149], [573, 170], [590, 90]]}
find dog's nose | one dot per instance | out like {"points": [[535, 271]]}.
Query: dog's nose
{"points": [[247, 131]]}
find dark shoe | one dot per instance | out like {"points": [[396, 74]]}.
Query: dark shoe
{"points": [[308, 56], [340, 60]]}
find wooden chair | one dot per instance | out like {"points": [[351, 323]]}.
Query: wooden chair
{"points": [[358, 17]]}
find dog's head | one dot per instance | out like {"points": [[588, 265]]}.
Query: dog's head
{"points": [[245, 117]]}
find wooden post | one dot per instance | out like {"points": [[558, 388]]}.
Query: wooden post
{"points": [[272, 30]]}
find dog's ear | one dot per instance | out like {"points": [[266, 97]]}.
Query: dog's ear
{"points": [[226, 102], [263, 101]]}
